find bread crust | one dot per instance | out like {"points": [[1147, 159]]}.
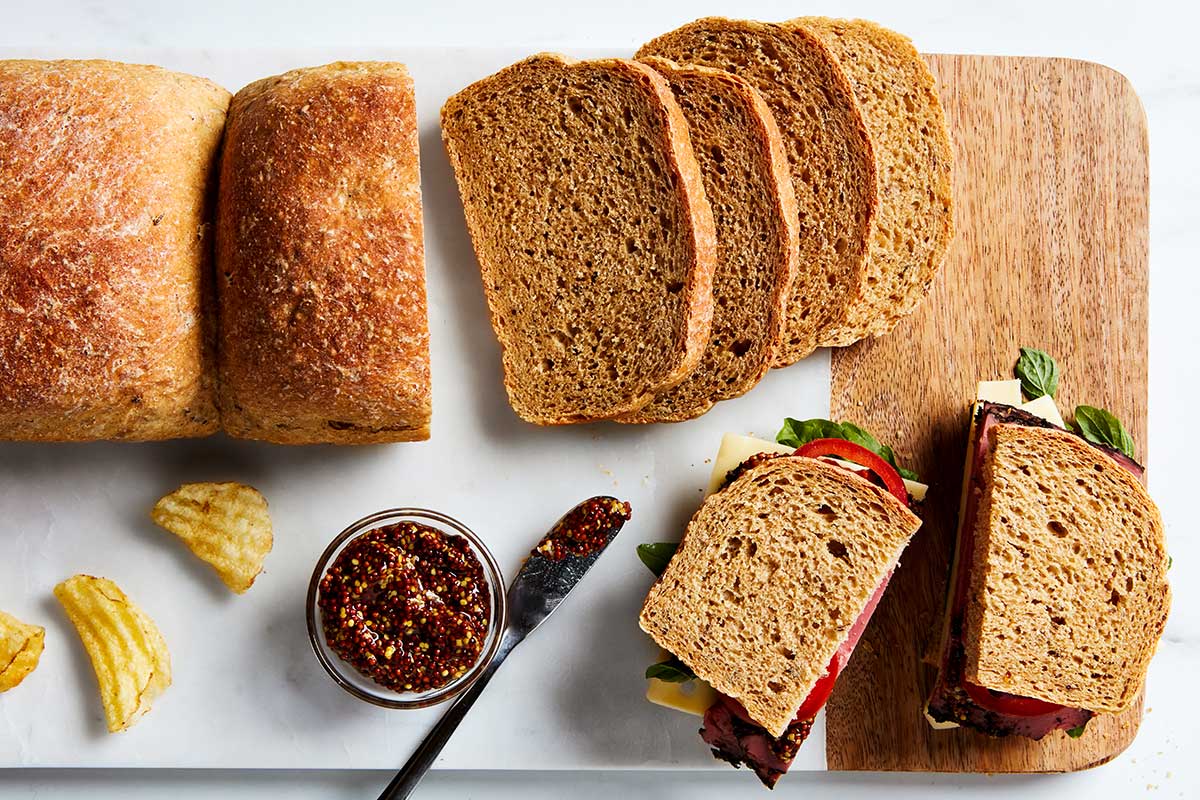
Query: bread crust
{"points": [[762, 145], [324, 334], [689, 338], [106, 171]]}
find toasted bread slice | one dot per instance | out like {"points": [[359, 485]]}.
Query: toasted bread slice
{"points": [[594, 238], [772, 572], [830, 152], [746, 178], [1069, 589], [914, 225]]}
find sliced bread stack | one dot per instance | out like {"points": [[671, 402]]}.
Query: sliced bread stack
{"points": [[870, 161], [653, 236], [745, 173]]}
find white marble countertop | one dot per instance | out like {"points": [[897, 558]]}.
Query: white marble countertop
{"points": [[1151, 42]]}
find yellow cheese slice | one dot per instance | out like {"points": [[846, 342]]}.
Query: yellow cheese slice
{"points": [[735, 449], [1045, 408], [693, 697], [1007, 392], [935, 724]]}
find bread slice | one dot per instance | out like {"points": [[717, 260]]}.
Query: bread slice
{"points": [[830, 152], [595, 241], [1069, 589], [324, 335], [772, 572], [914, 225], [107, 171], [747, 182]]}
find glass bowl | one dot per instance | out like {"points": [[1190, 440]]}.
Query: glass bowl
{"points": [[359, 685]]}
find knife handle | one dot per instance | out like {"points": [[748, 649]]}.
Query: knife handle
{"points": [[423, 757]]}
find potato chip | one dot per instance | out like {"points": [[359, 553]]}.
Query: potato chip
{"points": [[127, 651], [225, 524], [20, 648]]}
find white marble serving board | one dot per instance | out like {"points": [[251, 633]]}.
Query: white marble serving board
{"points": [[247, 690]]}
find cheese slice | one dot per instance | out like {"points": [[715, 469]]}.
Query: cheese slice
{"points": [[1007, 392], [736, 448], [1045, 408], [693, 697]]}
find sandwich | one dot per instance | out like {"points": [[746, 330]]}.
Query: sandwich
{"points": [[1058, 592], [760, 606]]}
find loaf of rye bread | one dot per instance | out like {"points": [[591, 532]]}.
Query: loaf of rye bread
{"points": [[833, 162], [321, 272], [746, 178], [772, 572], [914, 224], [595, 241], [106, 172]]}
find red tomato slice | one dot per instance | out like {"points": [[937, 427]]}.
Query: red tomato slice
{"points": [[1011, 704], [849, 451], [820, 691]]}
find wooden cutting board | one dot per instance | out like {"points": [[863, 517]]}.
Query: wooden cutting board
{"points": [[1051, 251]]}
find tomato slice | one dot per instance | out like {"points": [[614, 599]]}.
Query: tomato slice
{"points": [[820, 691], [849, 451], [1011, 704]]}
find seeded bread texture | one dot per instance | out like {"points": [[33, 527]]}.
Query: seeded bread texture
{"points": [[106, 176], [914, 224], [772, 572], [321, 269], [746, 179], [595, 241], [830, 152], [1069, 591]]}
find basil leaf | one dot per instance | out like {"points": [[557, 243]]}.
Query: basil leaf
{"points": [[1101, 427], [1038, 372], [656, 556], [672, 670], [860, 437], [797, 433], [908, 474], [1075, 733]]}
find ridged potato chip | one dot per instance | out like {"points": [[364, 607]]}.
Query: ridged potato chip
{"points": [[20, 648], [127, 651], [225, 524]]}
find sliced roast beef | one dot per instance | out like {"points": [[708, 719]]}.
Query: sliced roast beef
{"points": [[733, 737]]}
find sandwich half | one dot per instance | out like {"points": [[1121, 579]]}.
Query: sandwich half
{"points": [[1059, 591], [772, 585]]}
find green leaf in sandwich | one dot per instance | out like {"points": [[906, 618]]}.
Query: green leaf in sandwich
{"points": [[1038, 372], [1100, 426]]}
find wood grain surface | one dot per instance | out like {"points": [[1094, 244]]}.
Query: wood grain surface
{"points": [[1051, 251]]}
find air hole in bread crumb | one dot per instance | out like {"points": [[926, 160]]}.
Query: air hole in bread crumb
{"points": [[675, 288], [741, 347], [1057, 528], [838, 550], [775, 686], [825, 511]]}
